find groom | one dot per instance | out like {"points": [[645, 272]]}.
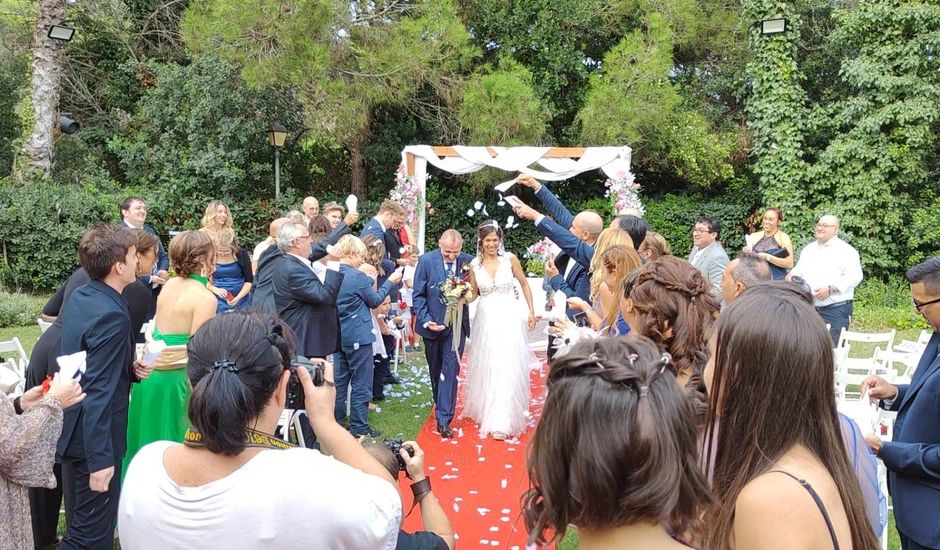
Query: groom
{"points": [[443, 363]]}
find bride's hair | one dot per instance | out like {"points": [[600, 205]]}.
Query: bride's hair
{"points": [[485, 230]]}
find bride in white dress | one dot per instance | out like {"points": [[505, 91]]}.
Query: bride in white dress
{"points": [[497, 389]]}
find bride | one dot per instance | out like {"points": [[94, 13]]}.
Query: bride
{"points": [[497, 390]]}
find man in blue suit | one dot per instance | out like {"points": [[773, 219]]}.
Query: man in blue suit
{"points": [[354, 364], [429, 310], [574, 235], [913, 456], [94, 432]]}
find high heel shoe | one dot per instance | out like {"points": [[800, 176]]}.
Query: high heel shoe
{"points": [[500, 436]]}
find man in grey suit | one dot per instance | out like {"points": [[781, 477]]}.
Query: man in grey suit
{"points": [[707, 253]]}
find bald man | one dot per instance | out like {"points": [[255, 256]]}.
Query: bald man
{"points": [[311, 209], [262, 291], [832, 269], [575, 235]]}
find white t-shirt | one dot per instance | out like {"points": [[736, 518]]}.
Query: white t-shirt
{"points": [[285, 499]]}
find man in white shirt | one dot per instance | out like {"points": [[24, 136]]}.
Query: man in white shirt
{"points": [[832, 269], [707, 255], [311, 209]]}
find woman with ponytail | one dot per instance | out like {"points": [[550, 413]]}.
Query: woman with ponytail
{"points": [[232, 484], [615, 451]]}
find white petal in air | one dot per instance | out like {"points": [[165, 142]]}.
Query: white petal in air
{"points": [[471, 212], [477, 205]]}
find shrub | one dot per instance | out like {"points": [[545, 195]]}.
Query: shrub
{"points": [[17, 309], [40, 225]]}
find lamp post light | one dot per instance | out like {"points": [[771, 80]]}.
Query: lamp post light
{"points": [[277, 134], [773, 26]]}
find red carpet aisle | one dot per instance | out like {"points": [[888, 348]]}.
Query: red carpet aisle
{"points": [[479, 481]]}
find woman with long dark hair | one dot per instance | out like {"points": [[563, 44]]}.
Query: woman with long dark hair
{"points": [[614, 453], [497, 390], [773, 443]]}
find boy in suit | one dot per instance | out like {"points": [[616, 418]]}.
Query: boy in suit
{"points": [[354, 366], [94, 432]]}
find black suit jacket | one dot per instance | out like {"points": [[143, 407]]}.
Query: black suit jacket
{"points": [[308, 306], [262, 290], [96, 320]]}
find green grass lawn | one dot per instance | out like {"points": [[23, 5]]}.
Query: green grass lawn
{"points": [[406, 406]]}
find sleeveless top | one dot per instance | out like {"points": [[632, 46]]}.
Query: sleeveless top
{"points": [[501, 283], [819, 504]]}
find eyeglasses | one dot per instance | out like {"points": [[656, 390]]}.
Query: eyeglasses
{"points": [[697, 230], [825, 225], [919, 306]]}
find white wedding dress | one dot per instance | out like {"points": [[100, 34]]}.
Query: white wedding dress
{"points": [[497, 387]]}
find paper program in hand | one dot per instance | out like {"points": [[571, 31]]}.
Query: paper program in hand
{"points": [[72, 366]]}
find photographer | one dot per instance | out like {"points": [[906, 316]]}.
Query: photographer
{"points": [[232, 484], [438, 534]]}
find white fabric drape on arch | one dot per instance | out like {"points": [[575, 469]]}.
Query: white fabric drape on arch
{"points": [[613, 161]]}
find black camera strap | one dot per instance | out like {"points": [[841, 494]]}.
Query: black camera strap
{"points": [[253, 438]]}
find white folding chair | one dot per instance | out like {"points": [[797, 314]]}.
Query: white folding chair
{"points": [[11, 347], [43, 325], [853, 371], [883, 339]]}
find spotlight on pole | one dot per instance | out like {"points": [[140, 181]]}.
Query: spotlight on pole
{"points": [[61, 32], [773, 26], [68, 126]]}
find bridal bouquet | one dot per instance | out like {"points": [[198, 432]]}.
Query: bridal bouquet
{"points": [[455, 291]]}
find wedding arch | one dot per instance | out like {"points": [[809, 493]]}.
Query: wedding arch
{"points": [[553, 164]]}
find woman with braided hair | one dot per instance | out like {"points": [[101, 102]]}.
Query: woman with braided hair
{"points": [[670, 302], [615, 453]]}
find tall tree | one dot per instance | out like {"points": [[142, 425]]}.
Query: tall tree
{"points": [[345, 58], [46, 77], [879, 168], [776, 107]]}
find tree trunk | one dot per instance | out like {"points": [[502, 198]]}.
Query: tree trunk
{"points": [[46, 77], [358, 184]]}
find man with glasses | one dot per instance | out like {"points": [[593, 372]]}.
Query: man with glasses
{"points": [[707, 253], [912, 457], [832, 269]]}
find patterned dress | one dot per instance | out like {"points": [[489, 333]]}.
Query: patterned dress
{"points": [[27, 453]]}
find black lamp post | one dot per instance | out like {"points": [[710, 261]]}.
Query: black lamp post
{"points": [[277, 134]]}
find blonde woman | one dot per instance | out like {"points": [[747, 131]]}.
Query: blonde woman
{"points": [[232, 279], [771, 244], [216, 217], [654, 246], [617, 262]]}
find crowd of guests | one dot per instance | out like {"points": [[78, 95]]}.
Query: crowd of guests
{"points": [[690, 401]]}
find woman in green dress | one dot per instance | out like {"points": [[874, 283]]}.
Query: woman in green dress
{"points": [[159, 404]]}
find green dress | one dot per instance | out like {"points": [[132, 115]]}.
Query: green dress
{"points": [[158, 408]]}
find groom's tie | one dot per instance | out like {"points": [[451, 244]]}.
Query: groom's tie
{"points": [[450, 269]]}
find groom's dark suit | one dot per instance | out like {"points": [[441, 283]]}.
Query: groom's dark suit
{"points": [[443, 363]]}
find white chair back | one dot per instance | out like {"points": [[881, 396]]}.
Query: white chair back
{"points": [[13, 350], [883, 339], [43, 325]]}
